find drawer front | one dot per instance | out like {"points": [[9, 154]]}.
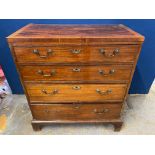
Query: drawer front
{"points": [[75, 93], [78, 54], [75, 112], [104, 73]]}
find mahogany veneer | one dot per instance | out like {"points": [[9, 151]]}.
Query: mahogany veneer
{"points": [[75, 73]]}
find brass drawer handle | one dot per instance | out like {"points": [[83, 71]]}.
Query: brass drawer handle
{"points": [[76, 87], [76, 106], [75, 51], [46, 75], [115, 52], [55, 91], [76, 69], [101, 111], [109, 91], [102, 72], [36, 51], [46, 111], [51, 111]]}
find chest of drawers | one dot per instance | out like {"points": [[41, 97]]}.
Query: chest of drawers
{"points": [[75, 73]]}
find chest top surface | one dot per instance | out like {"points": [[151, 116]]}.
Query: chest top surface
{"points": [[49, 31]]}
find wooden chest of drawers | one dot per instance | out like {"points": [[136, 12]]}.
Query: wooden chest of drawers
{"points": [[75, 73]]}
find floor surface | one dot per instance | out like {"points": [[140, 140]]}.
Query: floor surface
{"points": [[15, 119]]}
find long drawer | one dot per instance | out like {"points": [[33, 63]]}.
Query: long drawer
{"points": [[101, 73], [76, 112], [76, 54], [67, 93]]}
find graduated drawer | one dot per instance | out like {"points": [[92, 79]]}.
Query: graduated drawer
{"points": [[76, 112], [76, 54], [67, 93], [101, 73]]}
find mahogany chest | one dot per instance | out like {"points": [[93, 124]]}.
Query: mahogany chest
{"points": [[75, 73]]}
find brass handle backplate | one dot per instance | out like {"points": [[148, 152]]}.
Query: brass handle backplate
{"points": [[51, 111], [76, 106], [75, 51], [114, 53], [76, 87], [47, 111], [36, 51], [55, 91], [102, 72], [109, 91], [46, 75], [102, 111], [76, 69]]}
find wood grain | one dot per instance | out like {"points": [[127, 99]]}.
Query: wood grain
{"points": [[87, 54], [76, 112], [67, 93], [102, 73], [67, 33]]}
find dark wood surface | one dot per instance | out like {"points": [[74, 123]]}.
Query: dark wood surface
{"points": [[74, 73], [105, 32]]}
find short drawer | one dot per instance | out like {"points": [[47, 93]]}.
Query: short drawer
{"points": [[76, 112], [101, 73], [76, 54], [75, 92]]}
